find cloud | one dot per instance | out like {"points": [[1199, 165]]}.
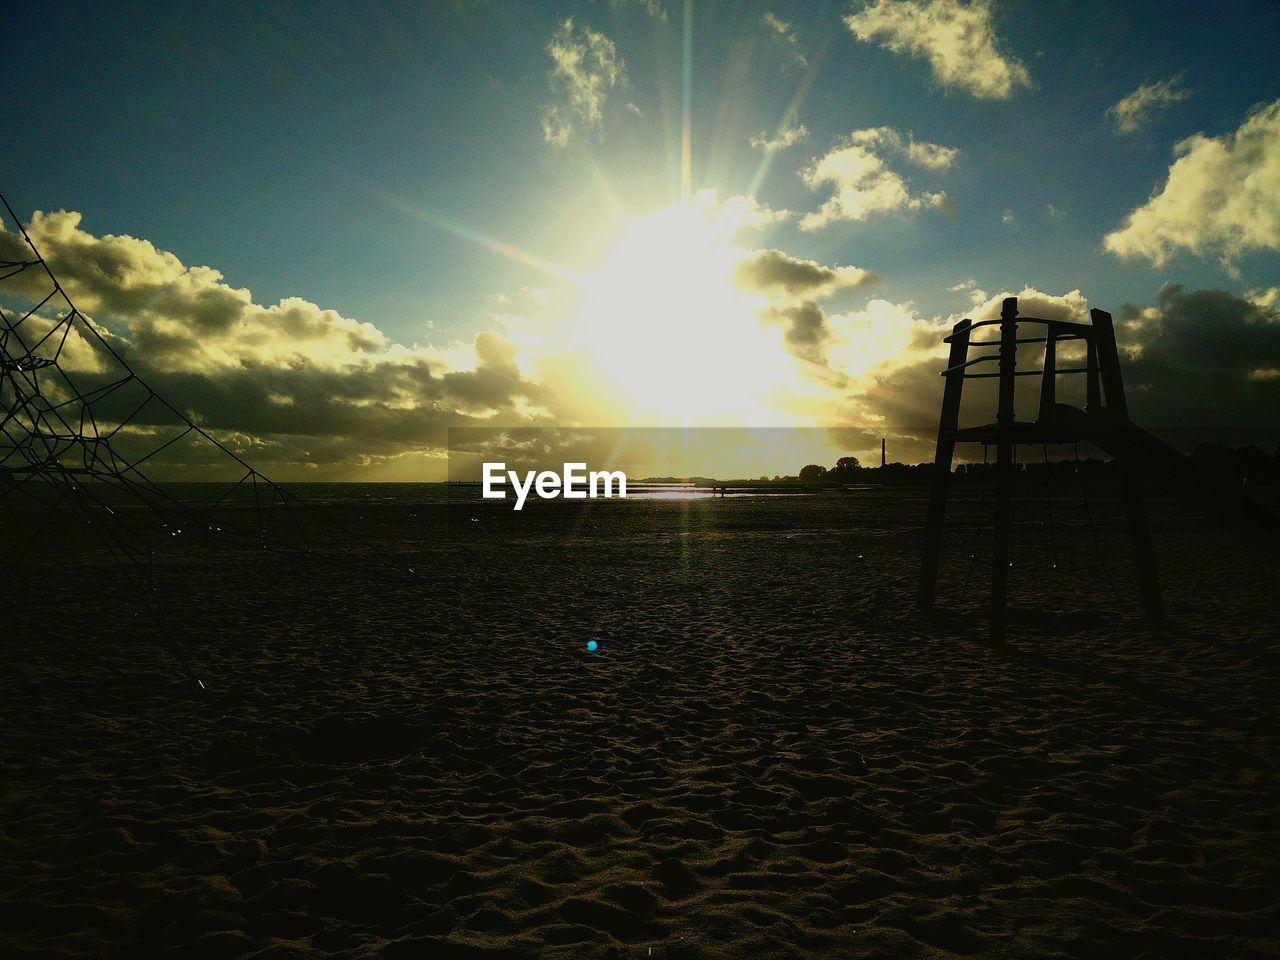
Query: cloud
{"points": [[1265, 299], [1135, 111], [738, 212], [787, 288], [1222, 196], [292, 384], [806, 328], [585, 66], [971, 290], [923, 154], [864, 184], [880, 379], [893, 358], [1201, 364], [881, 336], [791, 278], [786, 35], [292, 380], [1070, 306], [958, 39], [791, 287], [763, 285], [187, 315], [1198, 365], [788, 135]]}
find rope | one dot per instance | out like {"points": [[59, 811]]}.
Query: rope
{"points": [[1051, 524], [40, 428], [1048, 505], [1093, 533], [982, 504], [1013, 501]]}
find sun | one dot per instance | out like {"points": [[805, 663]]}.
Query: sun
{"points": [[673, 339]]}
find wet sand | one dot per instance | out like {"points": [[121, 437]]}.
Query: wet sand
{"points": [[771, 754]]}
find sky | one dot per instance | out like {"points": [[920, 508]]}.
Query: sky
{"points": [[333, 231]]}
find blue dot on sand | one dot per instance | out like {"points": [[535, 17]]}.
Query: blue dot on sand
{"points": [[591, 645]]}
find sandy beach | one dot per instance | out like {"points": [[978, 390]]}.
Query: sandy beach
{"points": [[771, 753]]}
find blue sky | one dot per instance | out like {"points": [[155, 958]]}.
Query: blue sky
{"points": [[371, 159]]}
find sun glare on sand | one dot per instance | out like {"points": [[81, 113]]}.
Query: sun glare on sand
{"points": [[672, 336]]}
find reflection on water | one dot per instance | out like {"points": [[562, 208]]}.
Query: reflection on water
{"points": [[667, 491], [695, 492]]}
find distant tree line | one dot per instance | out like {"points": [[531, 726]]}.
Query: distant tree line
{"points": [[1249, 465], [849, 470]]}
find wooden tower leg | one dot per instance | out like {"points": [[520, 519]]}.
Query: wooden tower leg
{"points": [[943, 455], [1139, 528], [1004, 468]]}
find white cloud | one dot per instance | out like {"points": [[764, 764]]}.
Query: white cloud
{"points": [[585, 66], [971, 289], [1222, 197], [893, 357], [924, 154], [881, 336], [271, 376], [1264, 299], [786, 35], [1133, 112], [738, 212], [864, 184], [198, 319], [788, 135], [1070, 306], [958, 39]]}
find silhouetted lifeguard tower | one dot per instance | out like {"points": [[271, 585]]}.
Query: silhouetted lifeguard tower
{"points": [[1104, 421]]}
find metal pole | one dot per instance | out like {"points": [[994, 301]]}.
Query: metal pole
{"points": [[1139, 527], [943, 454]]}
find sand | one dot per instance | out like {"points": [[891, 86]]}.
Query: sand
{"points": [[771, 754]]}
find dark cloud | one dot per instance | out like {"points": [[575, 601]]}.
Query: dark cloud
{"points": [[793, 285], [806, 328], [906, 398], [778, 274], [1203, 361]]}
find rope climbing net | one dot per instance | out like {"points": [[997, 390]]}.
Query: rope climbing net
{"points": [[83, 434]]}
